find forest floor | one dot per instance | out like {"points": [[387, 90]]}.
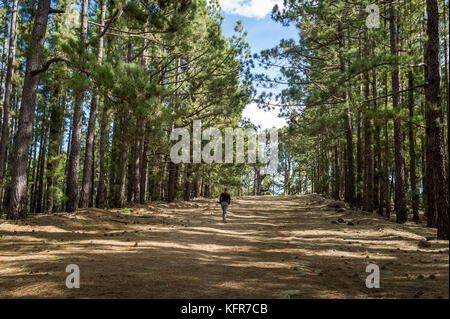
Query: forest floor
{"points": [[272, 247]]}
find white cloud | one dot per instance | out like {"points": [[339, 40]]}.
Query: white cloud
{"points": [[249, 8], [266, 120]]}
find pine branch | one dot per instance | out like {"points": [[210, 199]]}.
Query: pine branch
{"points": [[48, 64]]}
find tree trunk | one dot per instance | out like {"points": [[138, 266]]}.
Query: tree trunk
{"points": [[33, 171], [412, 151], [447, 85], [368, 159], [56, 128], [387, 154], [75, 148], [376, 153], [433, 115], [359, 147], [144, 164], [40, 175], [430, 201], [130, 186], [123, 162], [115, 163], [350, 167], [86, 184], [172, 167], [400, 191], [18, 186], [136, 174], [103, 146], [8, 89], [187, 182], [171, 182], [3, 62], [335, 174]]}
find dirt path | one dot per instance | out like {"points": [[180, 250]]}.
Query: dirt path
{"points": [[272, 247]]}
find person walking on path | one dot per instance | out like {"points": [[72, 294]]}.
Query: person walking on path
{"points": [[225, 200]]}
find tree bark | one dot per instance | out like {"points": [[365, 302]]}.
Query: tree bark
{"points": [[40, 175], [336, 190], [18, 186], [376, 152], [172, 167], [187, 182], [387, 154], [56, 128], [103, 146], [368, 159], [123, 161], [144, 164], [359, 144], [400, 191], [8, 90], [75, 148], [3, 62], [171, 182], [136, 175], [196, 185], [86, 184], [430, 201], [433, 118], [447, 84], [114, 163], [350, 167], [130, 168], [412, 151]]}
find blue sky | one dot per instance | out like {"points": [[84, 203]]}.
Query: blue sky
{"points": [[263, 33]]}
